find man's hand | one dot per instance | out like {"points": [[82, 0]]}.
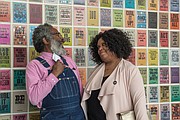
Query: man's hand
{"points": [[58, 68]]}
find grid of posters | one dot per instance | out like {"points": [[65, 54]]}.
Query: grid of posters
{"points": [[153, 28]]}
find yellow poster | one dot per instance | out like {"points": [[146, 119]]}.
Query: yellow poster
{"points": [[153, 57], [93, 17], [66, 32], [153, 5], [141, 57], [105, 3]]}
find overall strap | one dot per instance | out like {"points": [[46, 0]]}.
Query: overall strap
{"points": [[44, 63], [64, 60]]}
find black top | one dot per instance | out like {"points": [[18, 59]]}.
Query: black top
{"points": [[94, 109]]}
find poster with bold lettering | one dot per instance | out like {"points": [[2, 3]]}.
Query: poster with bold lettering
{"points": [[5, 102], [141, 38], [174, 57], [175, 93], [5, 57], [51, 14], [143, 71], [66, 32], [154, 110], [131, 35], [117, 3], [105, 3], [65, 15], [79, 56], [141, 4], [92, 32], [153, 94], [152, 57], [141, 19], [5, 14], [174, 74], [141, 57], [5, 33], [93, 16], [163, 21], [5, 79], [174, 21], [152, 20], [164, 56], [79, 36], [164, 38], [164, 75], [165, 111], [118, 18], [129, 19], [174, 5], [152, 38], [19, 80], [79, 16], [20, 57], [130, 4], [164, 93], [163, 5], [153, 75], [174, 37], [153, 5]]}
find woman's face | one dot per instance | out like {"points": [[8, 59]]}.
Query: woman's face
{"points": [[104, 52]]}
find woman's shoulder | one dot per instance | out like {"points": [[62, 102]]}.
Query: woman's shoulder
{"points": [[128, 65]]}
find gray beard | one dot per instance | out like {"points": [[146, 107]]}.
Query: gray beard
{"points": [[57, 48]]}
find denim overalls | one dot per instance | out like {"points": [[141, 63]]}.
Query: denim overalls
{"points": [[63, 102]]}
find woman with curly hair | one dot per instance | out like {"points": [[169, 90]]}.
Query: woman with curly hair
{"points": [[116, 85]]}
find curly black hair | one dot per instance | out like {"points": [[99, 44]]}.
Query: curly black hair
{"points": [[42, 31], [117, 42]]}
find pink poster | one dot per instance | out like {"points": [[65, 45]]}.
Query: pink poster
{"points": [[5, 34], [4, 79]]}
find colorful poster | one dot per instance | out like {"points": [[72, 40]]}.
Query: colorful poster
{"points": [[154, 110], [153, 94], [164, 5], [5, 102], [153, 75], [5, 55], [5, 79], [174, 37], [93, 2], [93, 17], [80, 56], [32, 53], [5, 33], [141, 4], [174, 57], [35, 11], [175, 93], [164, 93], [174, 75], [141, 19], [130, 4], [174, 5], [65, 15], [153, 5], [51, 14], [20, 101], [105, 3], [129, 19], [174, 21], [152, 57], [31, 30], [131, 35], [117, 3], [163, 21], [79, 16], [164, 75], [5, 15], [20, 117], [79, 2], [143, 72], [20, 57], [20, 34], [104, 15], [141, 38], [82, 73], [165, 111], [19, 80], [175, 111], [152, 38], [65, 2], [152, 20], [141, 57], [164, 56], [66, 32], [92, 32], [164, 38], [79, 36], [118, 18], [19, 12]]}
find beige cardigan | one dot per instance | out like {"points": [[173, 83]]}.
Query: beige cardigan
{"points": [[122, 91]]}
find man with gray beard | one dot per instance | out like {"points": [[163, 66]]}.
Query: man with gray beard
{"points": [[52, 79]]}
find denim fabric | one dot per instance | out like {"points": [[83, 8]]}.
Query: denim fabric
{"points": [[63, 102]]}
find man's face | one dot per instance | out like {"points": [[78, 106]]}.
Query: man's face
{"points": [[57, 42]]}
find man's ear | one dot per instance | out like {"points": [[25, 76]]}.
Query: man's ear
{"points": [[45, 41]]}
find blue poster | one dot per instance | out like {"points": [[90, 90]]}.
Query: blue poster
{"points": [[129, 4], [118, 3], [31, 30], [5, 103], [19, 80], [174, 5], [19, 12], [141, 19]]}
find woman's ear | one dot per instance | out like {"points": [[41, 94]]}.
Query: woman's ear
{"points": [[45, 41]]}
